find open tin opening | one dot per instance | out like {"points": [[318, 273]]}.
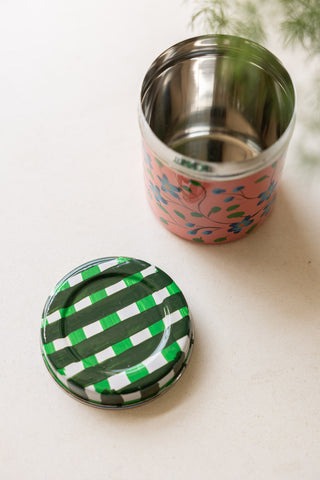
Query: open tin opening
{"points": [[219, 105]]}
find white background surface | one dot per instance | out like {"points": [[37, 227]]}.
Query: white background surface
{"points": [[71, 190]]}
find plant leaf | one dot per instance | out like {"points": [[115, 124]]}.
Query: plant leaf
{"points": [[236, 214], [215, 210], [232, 207], [194, 182], [261, 178], [179, 214], [251, 228], [162, 208]]}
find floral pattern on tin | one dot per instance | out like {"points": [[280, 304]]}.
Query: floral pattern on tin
{"points": [[210, 212]]}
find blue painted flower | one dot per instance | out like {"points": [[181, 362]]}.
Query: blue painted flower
{"points": [[237, 189], [147, 158], [267, 208], [264, 196], [166, 186], [238, 226], [228, 199], [157, 194]]}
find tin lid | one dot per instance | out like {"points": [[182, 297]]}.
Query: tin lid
{"points": [[116, 332]]}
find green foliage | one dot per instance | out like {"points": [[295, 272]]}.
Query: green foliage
{"points": [[298, 20], [234, 17], [302, 23]]}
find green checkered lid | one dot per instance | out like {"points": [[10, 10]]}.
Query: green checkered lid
{"points": [[116, 332]]}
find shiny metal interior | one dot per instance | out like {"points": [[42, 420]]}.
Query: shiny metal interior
{"points": [[218, 98]]}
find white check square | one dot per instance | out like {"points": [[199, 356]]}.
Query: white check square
{"points": [[140, 337], [53, 317], [92, 329], [85, 302], [118, 381], [130, 397], [160, 295], [75, 279], [129, 311], [155, 362], [115, 288], [92, 394], [104, 354], [73, 369]]}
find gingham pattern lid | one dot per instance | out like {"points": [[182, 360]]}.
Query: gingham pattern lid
{"points": [[116, 332]]}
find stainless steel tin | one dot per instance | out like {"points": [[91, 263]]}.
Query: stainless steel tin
{"points": [[215, 109]]}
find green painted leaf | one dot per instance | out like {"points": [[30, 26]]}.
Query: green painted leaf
{"points": [[162, 208], [236, 214], [275, 164], [187, 189], [194, 182], [215, 209], [179, 214], [150, 173], [221, 239], [261, 178], [232, 207], [163, 220], [198, 240], [196, 214], [251, 228]]}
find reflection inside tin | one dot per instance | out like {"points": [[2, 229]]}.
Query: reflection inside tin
{"points": [[218, 103]]}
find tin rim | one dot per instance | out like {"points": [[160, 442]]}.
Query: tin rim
{"points": [[199, 169]]}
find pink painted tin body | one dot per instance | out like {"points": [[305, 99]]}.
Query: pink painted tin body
{"points": [[215, 136]]}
